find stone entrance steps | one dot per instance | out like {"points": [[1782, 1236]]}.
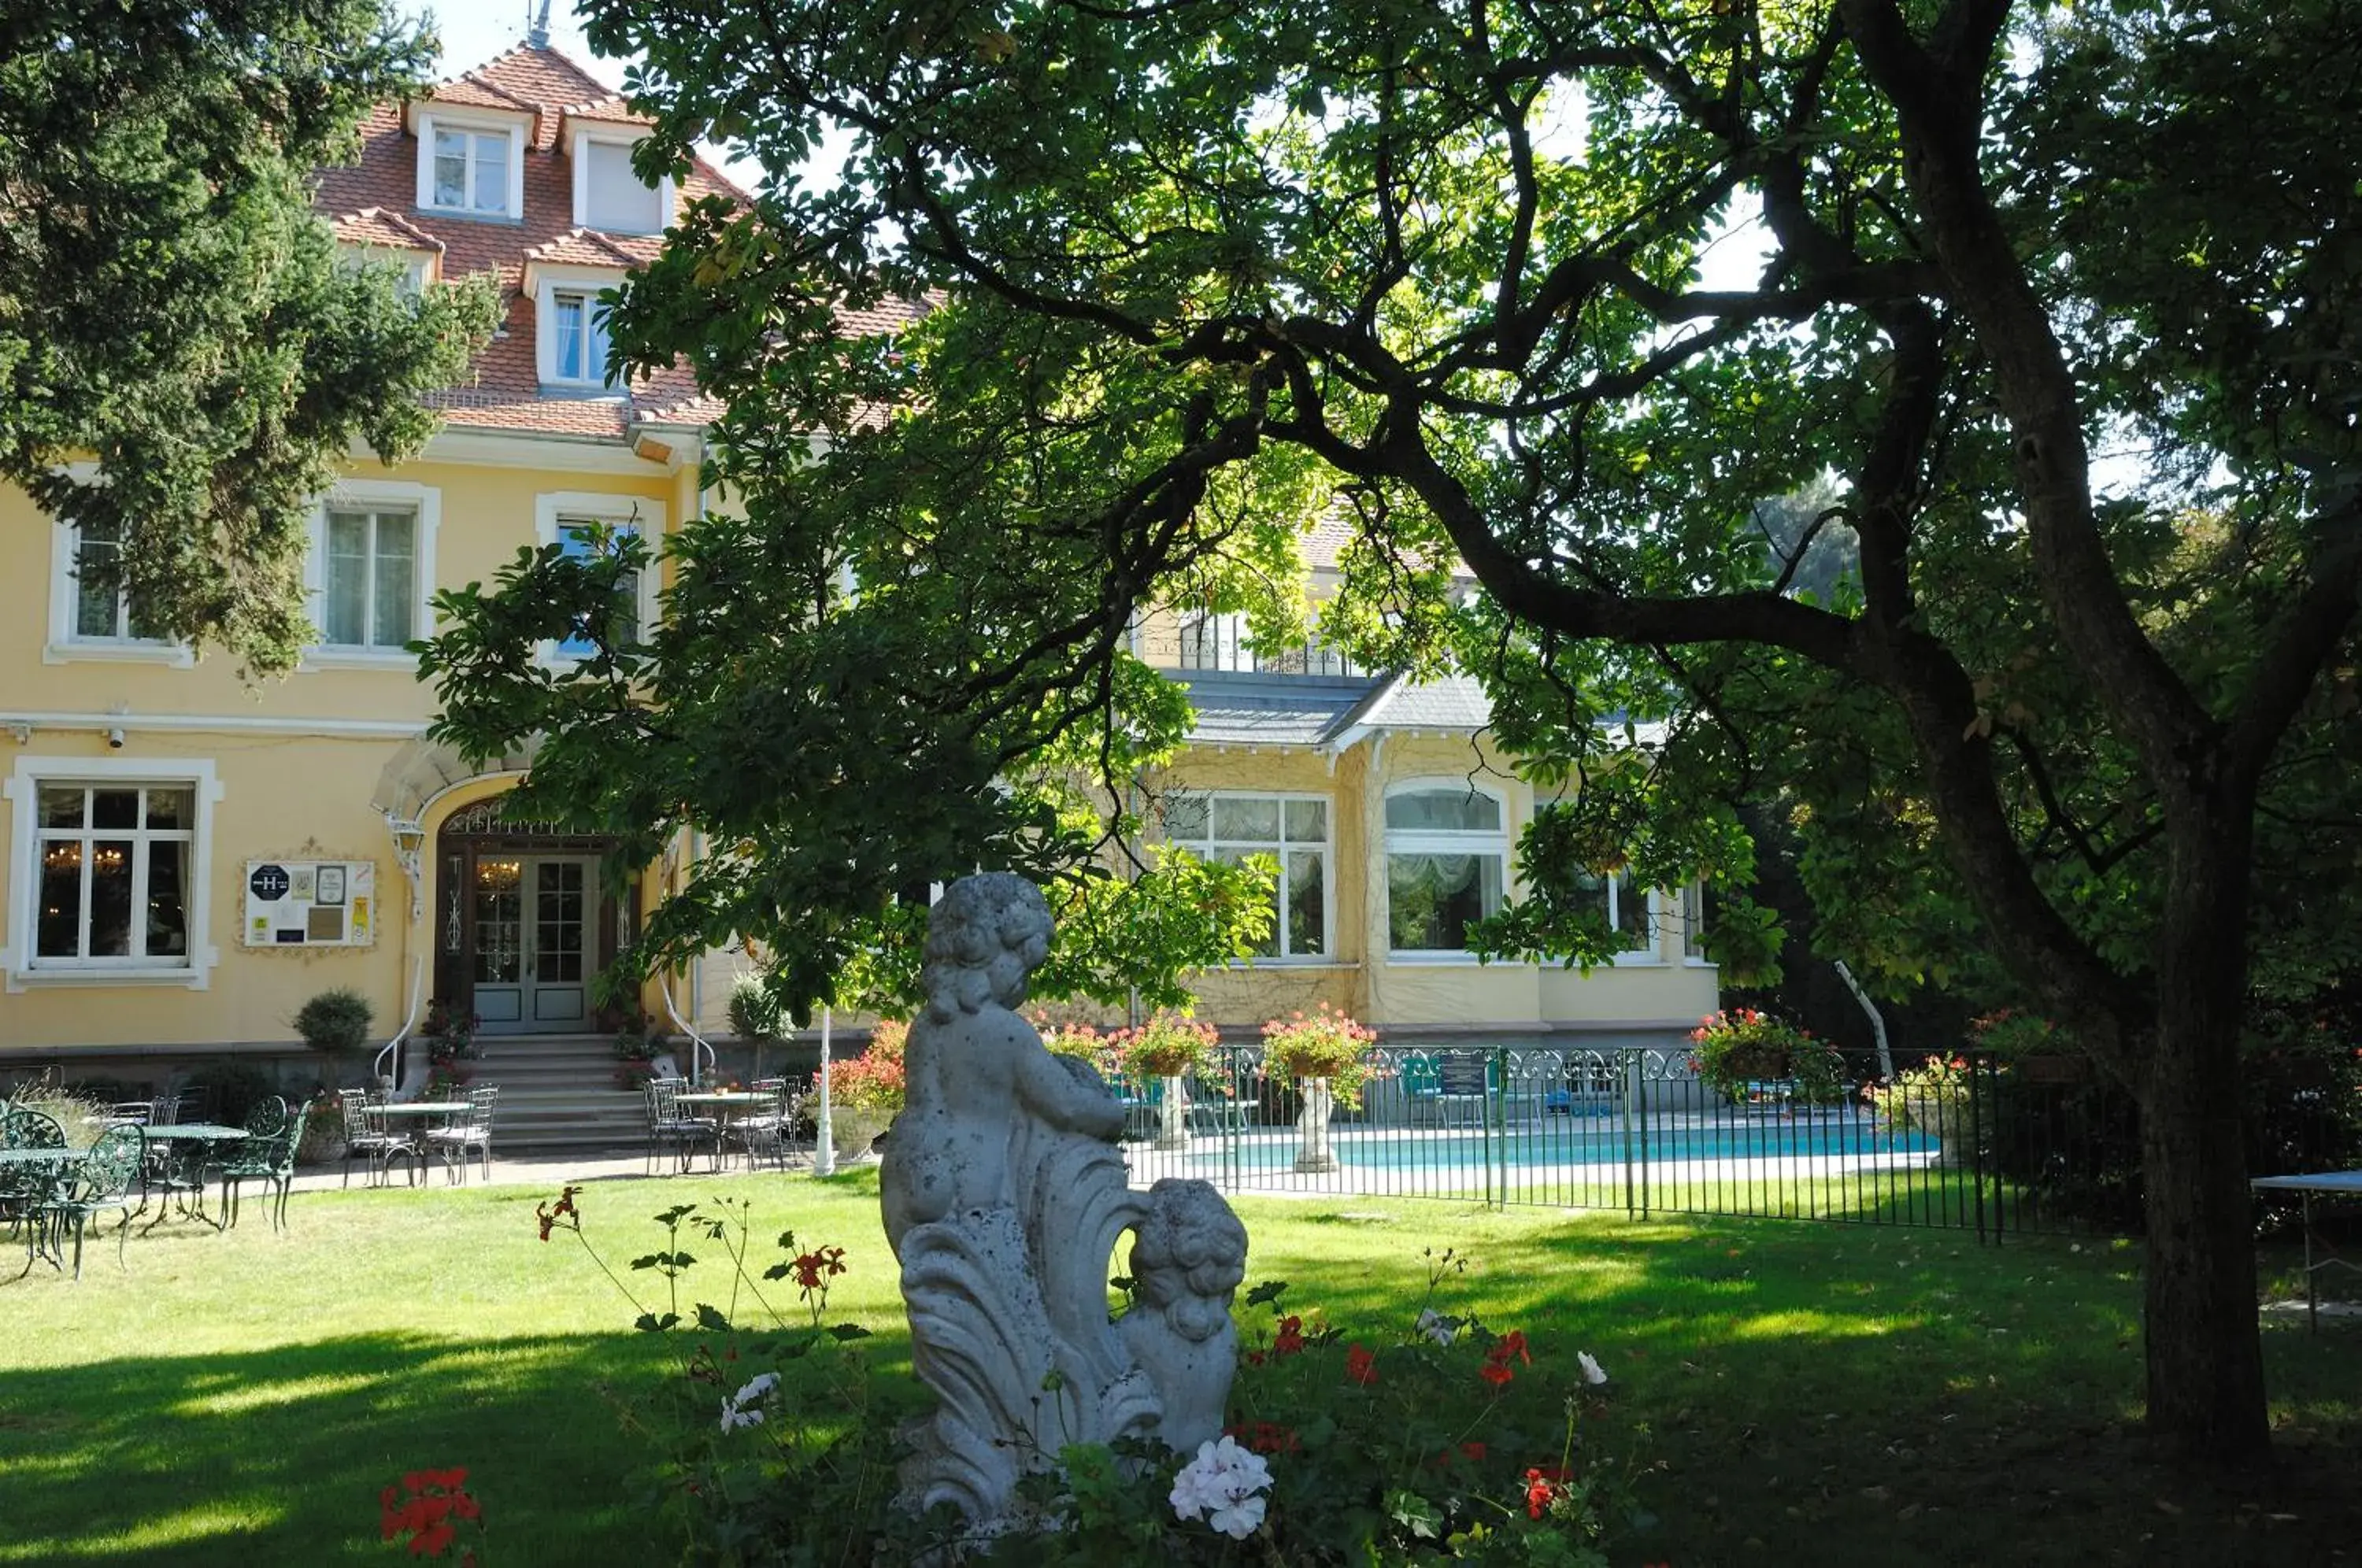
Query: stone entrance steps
{"points": [[557, 1092]]}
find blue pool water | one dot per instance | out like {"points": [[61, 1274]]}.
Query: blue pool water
{"points": [[1569, 1142]]}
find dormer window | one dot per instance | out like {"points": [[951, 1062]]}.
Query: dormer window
{"points": [[608, 197], [470, 164], [472, 171], [578, 350]]}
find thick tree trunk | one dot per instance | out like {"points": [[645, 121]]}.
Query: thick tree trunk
{"points": [[2204, 1358]]}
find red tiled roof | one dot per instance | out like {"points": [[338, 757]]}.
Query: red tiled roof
{"points": [[506, 391], [375, 226], [589, 247], [615, 110]]}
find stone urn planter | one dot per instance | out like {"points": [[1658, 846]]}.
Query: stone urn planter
{"points": [[1313, 1155], [852, 1129], [1946, 1119], [1172, 1127]]}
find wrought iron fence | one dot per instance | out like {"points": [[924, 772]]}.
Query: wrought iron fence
{"points": [[1991, 1149]]}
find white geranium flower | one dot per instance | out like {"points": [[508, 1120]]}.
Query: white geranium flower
{"points": [[1222, 1484], [1593, 1372], [738, 1410], [1437, 1327]]}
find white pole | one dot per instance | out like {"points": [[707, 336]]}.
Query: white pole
{"points": [[823, 1135]]}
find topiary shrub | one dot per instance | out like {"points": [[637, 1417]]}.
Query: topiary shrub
{"points": [[335, 1020]]}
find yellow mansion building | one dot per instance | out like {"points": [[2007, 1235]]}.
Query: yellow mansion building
{"points": [[188, 857]]}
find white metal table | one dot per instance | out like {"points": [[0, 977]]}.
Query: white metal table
{"points": [[2336, 1184]]}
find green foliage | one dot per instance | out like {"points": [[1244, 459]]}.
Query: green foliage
{"points": [[336, 1020], [1459, 277], [172, 307]]}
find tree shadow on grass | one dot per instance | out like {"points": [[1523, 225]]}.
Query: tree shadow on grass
{"points": [[1856, 1393], [277, 1456]]}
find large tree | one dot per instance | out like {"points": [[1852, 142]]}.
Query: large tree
{"points": [[174, 314], [1205, 268]]}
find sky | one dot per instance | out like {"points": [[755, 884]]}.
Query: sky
{"points": [[475, 30]]}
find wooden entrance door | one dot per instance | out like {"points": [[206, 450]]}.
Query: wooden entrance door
{"points": [[522, 928]]}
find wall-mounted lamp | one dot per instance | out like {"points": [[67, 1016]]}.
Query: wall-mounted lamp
{"points": [[115, 739], [21, 733]]}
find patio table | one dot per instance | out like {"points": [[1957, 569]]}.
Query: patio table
{"points": [[724, 1102], [185, 1165], [2348, 1183]]}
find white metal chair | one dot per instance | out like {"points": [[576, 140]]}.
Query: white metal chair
{"points": [[473, 1132]]}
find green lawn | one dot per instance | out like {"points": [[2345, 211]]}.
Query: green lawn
{"points": [[1810, 1392]]}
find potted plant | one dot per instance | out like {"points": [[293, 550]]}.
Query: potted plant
{"points": [[866, 1094], [1326, 1054], [323, 1129], [335, 1021], [1752, 1058], [1166, 1050], [635, 1057], [450, 1037]]}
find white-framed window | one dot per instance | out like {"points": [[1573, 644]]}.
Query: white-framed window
{"points": [[577, 327], [471, 164], [109, 860], [1227, 826], [91, 619], [1635, 914], [583, 521], [1447, 863], [607, 195], [372, 571], [570, 348], [1697, 907], [1218, 640], [415, 266]]}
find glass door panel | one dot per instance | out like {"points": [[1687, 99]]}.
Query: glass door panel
{"points": [[497, 962]]}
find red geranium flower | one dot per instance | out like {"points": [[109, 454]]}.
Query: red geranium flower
{"points": [[1493, 1372], [1291, 1336], [1360, 1365]]}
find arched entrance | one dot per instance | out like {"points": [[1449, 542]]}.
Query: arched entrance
{"points": [[521, 927]]}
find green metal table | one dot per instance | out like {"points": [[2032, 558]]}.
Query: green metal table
{"points": [[186, 1146]]}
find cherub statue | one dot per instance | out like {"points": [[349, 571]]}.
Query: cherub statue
{"points": [[1189, 1256]]}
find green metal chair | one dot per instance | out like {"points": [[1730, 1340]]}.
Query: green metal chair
{"points": [[100, 1181], [1422, 1086], [267, 1155], [24, 1188]]}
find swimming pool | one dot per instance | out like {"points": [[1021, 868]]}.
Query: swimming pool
{"points": [[1559, 1143]]}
